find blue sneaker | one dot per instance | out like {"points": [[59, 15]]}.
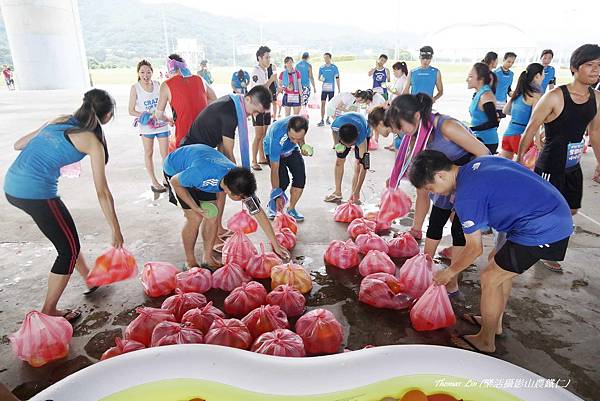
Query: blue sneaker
{"points": [[270, 213], [295, 214]]}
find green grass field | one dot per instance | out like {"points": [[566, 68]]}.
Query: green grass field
{"points": [[452, 73]]}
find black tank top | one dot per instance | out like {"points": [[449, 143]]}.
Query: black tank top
{"points": [[568, 127]]}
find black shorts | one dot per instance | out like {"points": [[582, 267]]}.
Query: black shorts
{"points": [[518, 258], [356, 151], [294, 163], [327, 95], [569, 184], [262, 119], [197, 195]]}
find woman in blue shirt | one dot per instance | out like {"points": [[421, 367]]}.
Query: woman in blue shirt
{"points": [[31, 184], [484, 119]]}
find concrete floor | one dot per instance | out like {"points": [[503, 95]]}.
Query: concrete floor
{"points": [[552, 322]]}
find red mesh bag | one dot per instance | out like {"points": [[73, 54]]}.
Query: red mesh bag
{"points": [[289, 299], [403, 246], [158, 278], [245, 298], [238, 249], [182, 302], [284, 220], [530, 157], [286, 238], [112, 266], [280, 342], [376, 262], [242, 222], [230, 333], [343, 255], [382, 290], [121, 347], [360, 226], [42, 338], [394, 203], [320, 331], [202, 318], [140, 329], [228, 277], [259, 266], [433, 310], [194, 280], [171, 333], [380, 226], [416, 275], [346, 212], [291, 274], [370, 241], [264, 319]]}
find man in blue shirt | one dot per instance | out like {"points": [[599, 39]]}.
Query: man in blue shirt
{"points": [[306, 78], [533, 219], [195, 174], [240, 81], [282, 149], [549, 71], [425, 78], [350, 129], [504, 80], [330, 76]]}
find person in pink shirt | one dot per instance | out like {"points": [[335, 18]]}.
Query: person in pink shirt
{"points": [[290, 85]]}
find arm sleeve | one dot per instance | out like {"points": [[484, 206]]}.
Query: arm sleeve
{"points": [[492, 118]]}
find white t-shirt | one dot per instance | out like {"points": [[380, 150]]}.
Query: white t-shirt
{"points": [[345, 100], [259, 76], [147, 101], [398, 86], [378, 100]]}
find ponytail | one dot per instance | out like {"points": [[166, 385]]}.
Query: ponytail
{"points": [[525, 84], [404, 107], [486, 75]]}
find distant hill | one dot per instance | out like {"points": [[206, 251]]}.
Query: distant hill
{"points": [[120, 32]]}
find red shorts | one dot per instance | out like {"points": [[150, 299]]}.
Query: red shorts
{"points": [[511, 143]]}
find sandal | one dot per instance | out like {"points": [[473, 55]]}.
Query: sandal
{"points": [[91, 290], [333, 198], [72, 315], [264, 162], [218, 248], [470, 318], [455, 340], [158, 190], [256, 167], [552, 266]]}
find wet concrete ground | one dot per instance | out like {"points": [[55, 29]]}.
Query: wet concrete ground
{"points": [[551, 326]]}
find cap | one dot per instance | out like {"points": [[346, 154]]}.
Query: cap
{"points": [[305, 55], [426, 52]]}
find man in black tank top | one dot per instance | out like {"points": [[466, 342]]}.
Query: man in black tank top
{"points": [[566, 112]]}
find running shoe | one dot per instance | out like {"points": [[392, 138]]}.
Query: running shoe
{"points": [[295, 214], [328, 122], [321, 123]]}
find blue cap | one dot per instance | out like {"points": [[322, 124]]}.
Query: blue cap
{"points": [[305, 55]]}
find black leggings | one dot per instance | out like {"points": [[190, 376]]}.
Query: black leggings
{"points": [[437, 220], [56, 223], [295, 164]]}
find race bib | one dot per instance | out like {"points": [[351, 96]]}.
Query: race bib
{"points": [[500, 105], [327, 87], [293, 98], [574, 153]]}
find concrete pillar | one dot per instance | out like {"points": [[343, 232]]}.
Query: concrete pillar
{"points": [[46, 44]]}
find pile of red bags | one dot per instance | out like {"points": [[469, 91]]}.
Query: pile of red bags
{"points": [[158, 278], [371, 241], [112, 266], [230, 333], [194, 280], [170, 333], [264, 319], [380, 226], [140, 329], [286, 238], [202, 318], [343, 255], [280, 342], [403, 246], [245, 298], [284, 220], [121, 347], [320, 331], [360, 226], [376, 262], [394, 204], [230, 276], [346, 212], [238, 249], [383, 290], [433, 310], [242, 222], [293, 275], [416, 275], [42, 339], [260, 266], [289, 299], [182, 302]]}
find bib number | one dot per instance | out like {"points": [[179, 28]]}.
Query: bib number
{"points": [[293, 98], [327, 87], [574, 153]]}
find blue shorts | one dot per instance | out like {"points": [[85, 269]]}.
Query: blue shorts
{"points": [[157, 135]]}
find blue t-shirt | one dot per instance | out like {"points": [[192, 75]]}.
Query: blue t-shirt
{"points": [[549, 77], [198, 166], [304, 68], [504, 82], [276, 142], [422, 80], [329, 73], [237, 82], [531, 213], [356, 119], [35, 172]]}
